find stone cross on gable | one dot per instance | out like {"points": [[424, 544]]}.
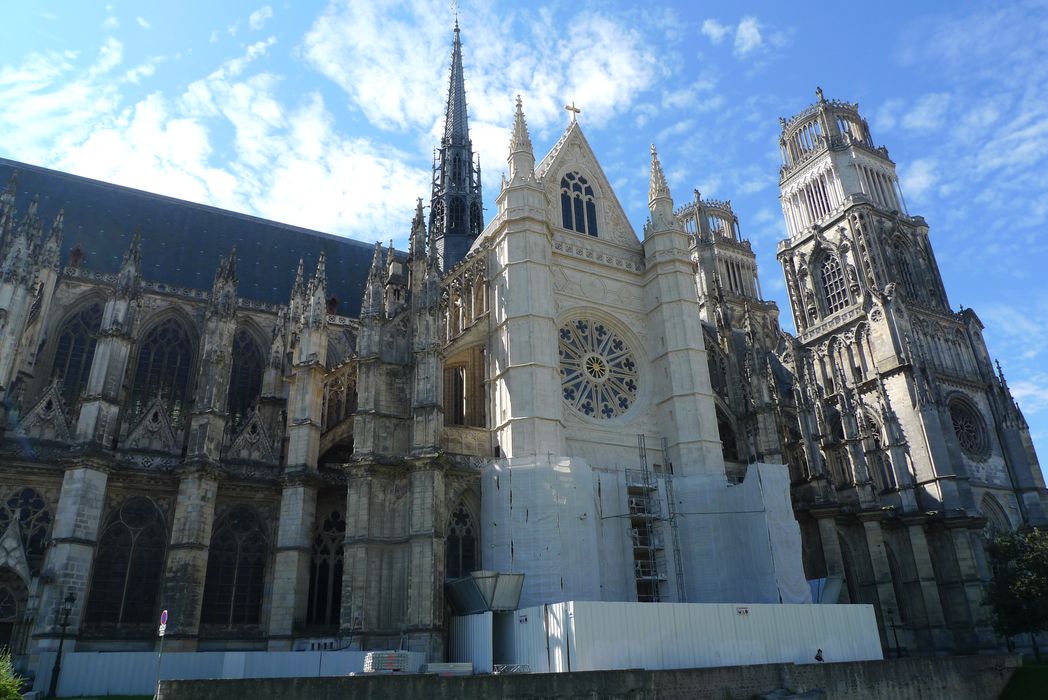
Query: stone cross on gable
{"points": [[573, 109]]}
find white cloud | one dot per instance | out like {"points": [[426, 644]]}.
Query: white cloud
{"points": [[715, 30], [747, 36], [142, 22], [887, 115], [918, 177], [287, 163], [258, 18], [143, 71], [928, 113], [110, 23], [602, 66]]}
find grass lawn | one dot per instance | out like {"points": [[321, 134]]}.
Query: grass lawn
{"points": [[1028, 683]]}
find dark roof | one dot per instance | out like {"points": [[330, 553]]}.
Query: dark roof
{"points": [[182, 242]]}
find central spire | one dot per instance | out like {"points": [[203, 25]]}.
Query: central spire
{"points": [[456, 215], [456, 128]]}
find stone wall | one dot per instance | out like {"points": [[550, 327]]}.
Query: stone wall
{"points": [[927, 678]]}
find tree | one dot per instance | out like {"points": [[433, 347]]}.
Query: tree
{"points": [[10, 684], [1018, 591]]}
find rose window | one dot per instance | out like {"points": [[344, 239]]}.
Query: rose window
{"points": [[969, 428], [598, 371]]}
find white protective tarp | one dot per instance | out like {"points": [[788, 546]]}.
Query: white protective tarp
{"points": [[784, 533], [538, 519]]}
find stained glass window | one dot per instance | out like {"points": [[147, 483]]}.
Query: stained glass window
{"points": [[245, 378], [75, 351], [165, 358], [598, 371], [577, 204], [460, 555], [236, 568], [129, 565], [969, 428], [834, 287], [325, 572], [28, 508]]}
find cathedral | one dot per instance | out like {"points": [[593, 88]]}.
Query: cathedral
{"points": [[284, 438]]}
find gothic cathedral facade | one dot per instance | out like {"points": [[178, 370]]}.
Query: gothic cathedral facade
{"points": [[279, 456]]}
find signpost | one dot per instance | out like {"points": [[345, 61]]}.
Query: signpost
{"points": [[160, 633]]}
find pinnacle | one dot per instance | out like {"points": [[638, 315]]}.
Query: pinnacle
{"points": [[521, 141], [658, 187]]}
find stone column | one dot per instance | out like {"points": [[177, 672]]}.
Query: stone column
{"points": [[882, 574], [941, 638], [831, 545], [425, 610], [962, 534], [183, 591], [71, 555], [298, 506], [355, 554]]}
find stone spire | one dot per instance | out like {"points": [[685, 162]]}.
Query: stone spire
{"points": [[657, 188], [52, 247], [456, 215], [315, 315], [224, 288], [521, 156], [374, 290], [456, 128], [129, 277], [659, 202], [417, 249]]}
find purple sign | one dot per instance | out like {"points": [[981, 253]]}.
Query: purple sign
{"points": [[163, 618]]}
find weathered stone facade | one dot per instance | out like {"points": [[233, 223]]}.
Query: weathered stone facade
{"points": [[277, 474]]}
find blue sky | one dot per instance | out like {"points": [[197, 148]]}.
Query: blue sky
{"points": [[325, 114]]}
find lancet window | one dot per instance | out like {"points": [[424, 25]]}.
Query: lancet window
{"points": [[14, 628], [245, 378], [834, 286], [460, 556], [236, 569], [165, 359], [129, 565], [577, 204], [28, 508], [456, 214], [75, 351], [325, 572]]}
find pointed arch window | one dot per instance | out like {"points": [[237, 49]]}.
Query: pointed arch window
{"points": [[577, 204], [456, 215], [236, 569], [476, 220], [460, 557], [129, 565], [75, 351], [14, 627], [245, 378], [325, 571], [29, 509], [165, 358], [903, 259], [834, 286], [729, 444]]}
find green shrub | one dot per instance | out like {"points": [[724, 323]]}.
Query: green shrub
{"points": [[9, 682]]}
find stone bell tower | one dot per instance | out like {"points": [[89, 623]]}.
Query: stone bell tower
{"points": [[910, 431]]}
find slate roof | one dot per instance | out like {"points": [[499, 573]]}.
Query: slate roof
{"points": [[182, 241]]}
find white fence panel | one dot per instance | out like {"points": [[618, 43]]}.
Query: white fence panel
{"points": [[471, 640], [134, 673]]}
